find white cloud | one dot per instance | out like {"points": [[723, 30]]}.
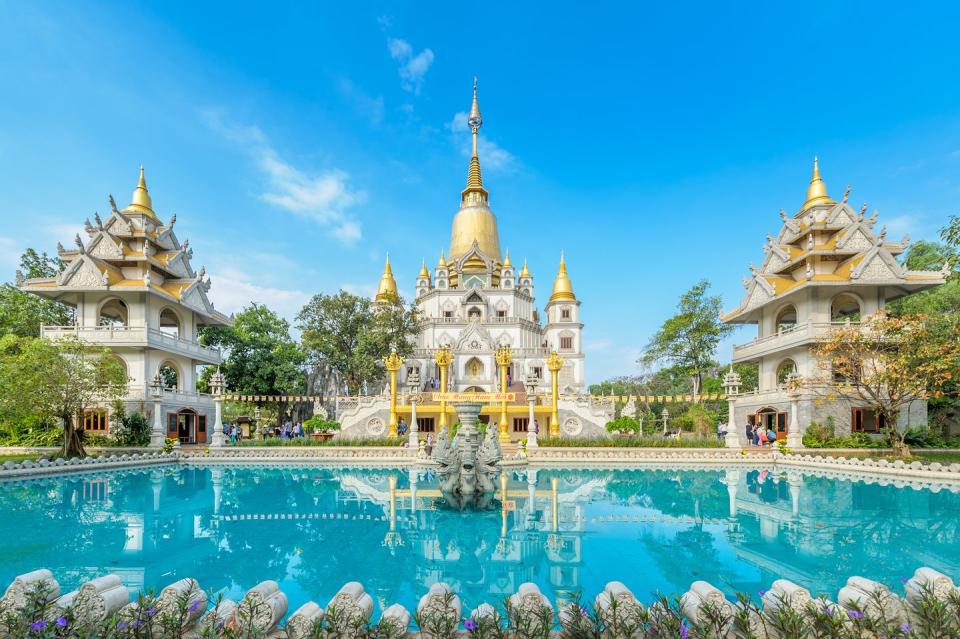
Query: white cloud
{"points": [[492, 155], [900, 224], [324, 198], [233, 289], [596, 345], [360, 290], [413, 67]]}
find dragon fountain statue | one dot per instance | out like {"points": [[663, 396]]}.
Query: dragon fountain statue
{"points": [[469, 464]]}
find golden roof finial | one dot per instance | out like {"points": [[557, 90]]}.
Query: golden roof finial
{"points": [[562, 286], [506, 260], [140, 201], [442, 263], [525, 272], [423, 270], [817, 191], [387, 291], [474, 175]]}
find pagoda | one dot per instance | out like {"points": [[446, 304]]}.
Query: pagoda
{"points": [[828, 265], [134, 290]]}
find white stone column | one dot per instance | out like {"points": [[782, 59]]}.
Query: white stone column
{"points": [[794, 439], [217, 477], [217, 386], [414, 429], [531, 383], [532, 494], [796, 483], [732, 480], [156, 484], [157, 435], [413, 475], [731, 384]]}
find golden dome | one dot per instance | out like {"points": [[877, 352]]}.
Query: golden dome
{"points": [[562, 286], [817, 191], [140, 202], [474, 221], [424, 273], [387, 291]]}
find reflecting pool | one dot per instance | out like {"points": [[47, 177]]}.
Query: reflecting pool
{"points": [[314, 528]]}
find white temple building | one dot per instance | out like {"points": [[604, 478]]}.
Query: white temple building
{"points": [[828, 265], [134, 290]]}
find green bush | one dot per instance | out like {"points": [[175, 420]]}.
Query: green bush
{"points": [[30, 432], [698, 420], [624, 424], [633, 442], [823, 436], [318, 424], [132, 430]]}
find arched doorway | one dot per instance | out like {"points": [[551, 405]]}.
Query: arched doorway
{"points": [[772, 419], [845, 308], [170, 323], [113, 314], [188, 426], [169, 375], [786, 318]]}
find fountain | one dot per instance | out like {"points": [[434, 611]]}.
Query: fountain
{"points": [[468, 465]]}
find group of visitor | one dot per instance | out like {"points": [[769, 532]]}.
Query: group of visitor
{"points": [[289, 430], [760, 436]]}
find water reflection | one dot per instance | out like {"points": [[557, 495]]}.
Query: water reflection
{"points": [[312, 529]]}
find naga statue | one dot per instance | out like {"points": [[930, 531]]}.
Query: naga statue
{"points": [[467, 466]]}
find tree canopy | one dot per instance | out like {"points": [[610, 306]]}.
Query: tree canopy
{"points": [[688, 340], [352, 335], [23, 313], [57, 380]]}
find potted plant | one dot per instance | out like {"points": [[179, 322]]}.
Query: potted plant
{"points": [[321, 428]]}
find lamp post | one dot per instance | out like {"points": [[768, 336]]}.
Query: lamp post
{"points": [[504, 358], [216, 387], [393, 363], [665, 415], [794, 389], [413, 384], [532, 381], [157, 436], [554, 364], [443, 358], [256, 421], [731, 384]]}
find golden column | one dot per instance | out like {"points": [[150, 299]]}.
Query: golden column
{"points": [[393, 363], [554, 364], [443, 358], [504, 358]]}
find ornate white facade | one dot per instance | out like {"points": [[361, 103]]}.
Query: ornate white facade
{"points": [[827, 266], [134, 290], [476, 301]]}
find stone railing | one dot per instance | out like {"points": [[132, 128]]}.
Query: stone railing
{"points": [[135, 336], [83, 464], [862, 608], [380, 455]]}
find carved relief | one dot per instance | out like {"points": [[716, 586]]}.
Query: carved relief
{"points": [[376, 427]]}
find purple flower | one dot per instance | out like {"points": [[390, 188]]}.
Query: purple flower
{"points": [[905, 628], [122, 625], [151, 611], [136, 624], [584, 611], [194, 605], [38, 625], [62, 622], [684, 631], [855, 614], [470, 625]]}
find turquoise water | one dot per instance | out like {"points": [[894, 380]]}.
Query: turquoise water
{"points": [[313, 529]]}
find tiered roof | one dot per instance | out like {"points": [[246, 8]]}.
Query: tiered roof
{"points": [[131, 251], [827, 243]]}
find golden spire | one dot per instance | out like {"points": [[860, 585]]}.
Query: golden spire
{"points": [[387, 291], [817, 191], [506, 260], [474, 175], [443, 260], [423, 270], [524, 272], [140, 202], [562, 286]]}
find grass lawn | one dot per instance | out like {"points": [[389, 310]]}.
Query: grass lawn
{"points": [[19, 457]]}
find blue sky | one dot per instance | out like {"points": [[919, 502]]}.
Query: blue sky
{"points": [[654, 144]]}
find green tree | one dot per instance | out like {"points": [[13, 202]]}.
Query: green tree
{"points": [[930, 256], [57, 380], [689, 339], [261, 356], [352, 335], [23, 313]]}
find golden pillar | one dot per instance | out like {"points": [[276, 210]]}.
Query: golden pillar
{"points": [[443, 358], [393, 363], [504, 358], [554, 364]]}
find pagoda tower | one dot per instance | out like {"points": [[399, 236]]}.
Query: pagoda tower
{"points": [[828, 265], [134, 290]]}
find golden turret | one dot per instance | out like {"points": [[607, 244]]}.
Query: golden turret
{"points": [[817, 191], [562, 286], [387, 291], [140, 202], [474, 222], [506, 260], [442, 263], [525, 272], [424, 273]]}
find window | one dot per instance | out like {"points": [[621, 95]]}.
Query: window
{"points": [[448, 314], [565, 313], [501, 313], [425, 424], [201, 427], [566, 343], [863, 420], [95, 420], [520, 424], [538, 372]]}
